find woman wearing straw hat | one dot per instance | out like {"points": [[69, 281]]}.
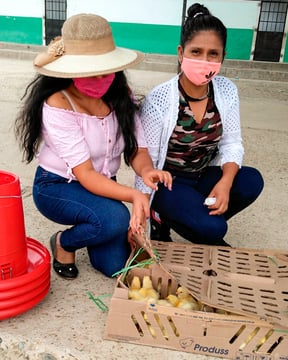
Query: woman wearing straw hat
{"points": [[81, 109]]}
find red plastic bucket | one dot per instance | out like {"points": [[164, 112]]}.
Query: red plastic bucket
{"points": [[13, 245], [21, 293]]}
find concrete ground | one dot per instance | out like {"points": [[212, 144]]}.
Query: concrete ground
{"points": [[67, 324]]}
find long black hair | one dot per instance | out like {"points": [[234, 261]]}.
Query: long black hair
{"points": [[28, 123], [200, 19]]}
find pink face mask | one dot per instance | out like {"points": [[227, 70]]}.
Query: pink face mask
{"points": [[200, 72], [94, 87]]}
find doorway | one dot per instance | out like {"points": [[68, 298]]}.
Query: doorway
{"points": [[270, 30], [55, 15]]}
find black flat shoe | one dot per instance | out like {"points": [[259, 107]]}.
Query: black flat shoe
{"points": [[67, 271]]}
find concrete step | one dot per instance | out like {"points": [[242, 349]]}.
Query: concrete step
{"points": [[255, 70], [238, 69], [234, 69], [255, 74], [155, 62]]}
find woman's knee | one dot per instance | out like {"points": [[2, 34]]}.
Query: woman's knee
{"points": [[111, 256], [110, 222], [257, 181], [251, 182]]}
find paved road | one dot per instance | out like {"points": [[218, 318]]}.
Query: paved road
{"points": [[67, 324]]}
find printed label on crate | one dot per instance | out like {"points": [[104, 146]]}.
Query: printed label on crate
{"points": [[193, 346]]}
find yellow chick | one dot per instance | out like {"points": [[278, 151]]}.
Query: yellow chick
{"points": [[183, 300], [147, 291], [164, 302], [173, 300], [133, 291], [183, 293], [186, 300], [147, 282]]}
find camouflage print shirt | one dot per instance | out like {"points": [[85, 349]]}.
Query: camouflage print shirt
{"points": [[192, 146]]}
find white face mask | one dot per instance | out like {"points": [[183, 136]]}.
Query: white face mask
{"points": [[200, 72]]}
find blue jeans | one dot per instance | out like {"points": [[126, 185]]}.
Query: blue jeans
{"points": [[100, 224], [182, 208]]}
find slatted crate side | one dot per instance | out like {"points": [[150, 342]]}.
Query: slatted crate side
{"points": [[257, 262], [195, 332], [244, 281], [219, 277]]}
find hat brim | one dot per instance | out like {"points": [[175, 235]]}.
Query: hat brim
{"points": [[71, 66]]}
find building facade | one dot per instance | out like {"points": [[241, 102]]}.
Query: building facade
{"points": [[257, 30]]}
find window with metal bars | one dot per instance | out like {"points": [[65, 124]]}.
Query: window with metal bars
{"points": [[55, 9], [273, 16], [270, 32], [55, 15]]}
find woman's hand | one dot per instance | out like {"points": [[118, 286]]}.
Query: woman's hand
{"points": [[152, 176], [143, 166], [221, 193], [140, 211], [221, 190]]}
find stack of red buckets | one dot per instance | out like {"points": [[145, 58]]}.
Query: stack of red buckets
{"points": [[24, 262]]}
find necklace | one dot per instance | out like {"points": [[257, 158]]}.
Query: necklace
{"points": [[190, 98]]}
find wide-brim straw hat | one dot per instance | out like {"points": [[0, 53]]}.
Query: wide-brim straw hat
{"points": [[86, 48]]}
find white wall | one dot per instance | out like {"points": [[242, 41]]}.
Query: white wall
{"points": [[166, 12], [25, 8], [242, 14]]}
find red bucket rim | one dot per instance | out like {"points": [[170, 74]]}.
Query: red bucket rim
{"points": [[39, 275]]}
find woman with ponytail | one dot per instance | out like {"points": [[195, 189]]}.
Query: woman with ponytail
{"points": [[192, 127]]}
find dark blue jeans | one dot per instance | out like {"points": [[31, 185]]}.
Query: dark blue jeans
{"points": [[97, 223], [182, 208]]}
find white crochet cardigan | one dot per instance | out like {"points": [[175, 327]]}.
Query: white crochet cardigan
{"points": [[159, 115]]}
